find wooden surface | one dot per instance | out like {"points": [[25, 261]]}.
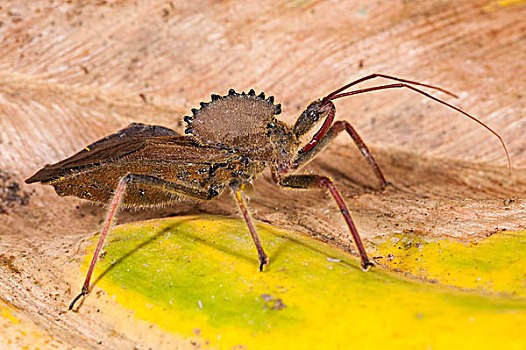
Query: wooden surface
{"points": [[73, 72]]}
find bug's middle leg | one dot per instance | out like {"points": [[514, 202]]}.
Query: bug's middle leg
{"points": [[317, 182], [238, 194], [339, 126]]}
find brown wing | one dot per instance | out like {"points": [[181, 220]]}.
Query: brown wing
{"points": [[132, 131], [94, 174], [106, 149], [99, 183], [136, 142]]}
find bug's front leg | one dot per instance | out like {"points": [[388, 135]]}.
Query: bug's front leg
{"points": [[306, 156], [317, 182], [240, 199]]}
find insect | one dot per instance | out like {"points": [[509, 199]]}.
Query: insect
{"points": [[228, 143]]}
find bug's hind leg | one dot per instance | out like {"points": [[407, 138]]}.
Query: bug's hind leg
{"points": [[148, 180], [339, 126], [317, 182], [238, 194]]}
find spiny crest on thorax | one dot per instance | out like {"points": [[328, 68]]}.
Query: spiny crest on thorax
{"points": [[237, 119]]}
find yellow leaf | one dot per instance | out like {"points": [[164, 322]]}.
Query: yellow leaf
{"points": [[198, 277]]}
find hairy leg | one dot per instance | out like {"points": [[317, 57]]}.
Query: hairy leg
{"points": [[339, 126], [238, 194], [115, 202], [317, 182]]}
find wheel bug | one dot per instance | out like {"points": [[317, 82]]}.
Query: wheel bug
{"points": [[230, 141]]}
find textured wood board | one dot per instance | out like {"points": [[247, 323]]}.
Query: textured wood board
{"points": [[73, 72]]}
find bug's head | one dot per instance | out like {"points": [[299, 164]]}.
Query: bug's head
{"points": [[316, 111]]}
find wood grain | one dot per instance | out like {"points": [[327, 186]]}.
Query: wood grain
{"points": [[72, 72]]}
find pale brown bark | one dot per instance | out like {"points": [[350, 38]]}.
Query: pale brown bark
{"points": [[73, 72]]}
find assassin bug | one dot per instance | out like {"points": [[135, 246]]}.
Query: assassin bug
{"points": [[230, 141]]}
